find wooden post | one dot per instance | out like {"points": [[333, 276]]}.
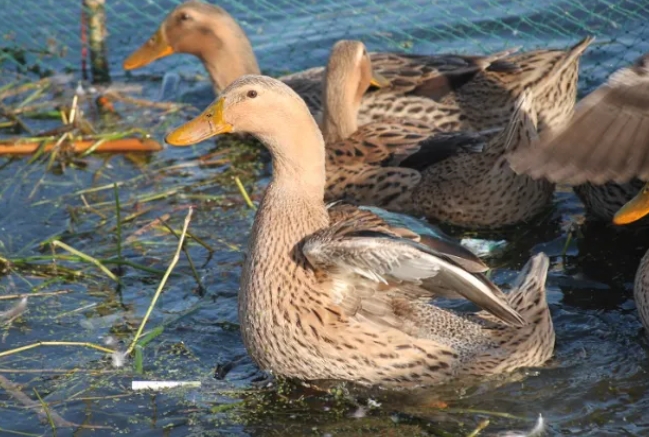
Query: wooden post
{"points": [[95, 13]]}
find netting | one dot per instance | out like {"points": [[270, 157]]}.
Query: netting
{"points": [[289, 35]]}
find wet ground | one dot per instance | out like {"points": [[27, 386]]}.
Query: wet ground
{"points": [[596, 385]]}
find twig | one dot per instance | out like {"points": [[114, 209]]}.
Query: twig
{"points": [[87, 258], [244, 193], [25, 87], [137, 266], [73, 109], [55, 343], [485, 412], [20, 296], [569, 236], [174, 261], [90, 208]]}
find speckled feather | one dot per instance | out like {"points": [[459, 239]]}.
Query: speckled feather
{"points": [[481, 190]]}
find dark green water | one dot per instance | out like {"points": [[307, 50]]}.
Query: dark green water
{"points": [[596, 385]]}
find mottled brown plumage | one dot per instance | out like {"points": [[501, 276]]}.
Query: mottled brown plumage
{"points": [[458, 177], [480, 190], [340, 294]]}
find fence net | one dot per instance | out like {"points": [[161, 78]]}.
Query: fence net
{"points": [[289, 35]]}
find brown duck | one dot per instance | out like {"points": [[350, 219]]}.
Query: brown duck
{"points": [[410, 166], [335, 293]]}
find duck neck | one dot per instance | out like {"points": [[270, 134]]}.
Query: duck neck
{"points": [[229, 57], [340, 113], [292, 209], [299, 174]]}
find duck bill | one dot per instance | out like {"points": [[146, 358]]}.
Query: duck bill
{"points": [[210, 123], [634, 209], [378, 80], [155, 48]]}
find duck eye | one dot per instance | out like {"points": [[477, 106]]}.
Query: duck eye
{"points": [[184, 16], [252, 94]]}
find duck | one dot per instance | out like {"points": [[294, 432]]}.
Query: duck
{"points": [[330, 292], [602, 150], [605, 143], [432, 88], [410, 166]]}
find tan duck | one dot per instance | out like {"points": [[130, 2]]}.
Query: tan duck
{"points": [[407, 165], [335, 293], [420, 86], [604, 148]]}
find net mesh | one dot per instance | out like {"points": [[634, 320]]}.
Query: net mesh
{"points": [[289, 35]]}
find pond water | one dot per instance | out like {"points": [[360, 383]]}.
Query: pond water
{"points": [[596, 384]]}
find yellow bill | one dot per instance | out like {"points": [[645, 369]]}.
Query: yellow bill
{"points": [[378, 80], [634, 209], [206, 125], [155, 48]]}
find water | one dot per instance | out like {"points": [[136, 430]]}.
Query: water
{"points": [[596, 385]]}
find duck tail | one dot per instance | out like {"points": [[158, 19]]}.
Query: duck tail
{"points": [[528, 294], [527, 346], [533, 344], [570, 58]]}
